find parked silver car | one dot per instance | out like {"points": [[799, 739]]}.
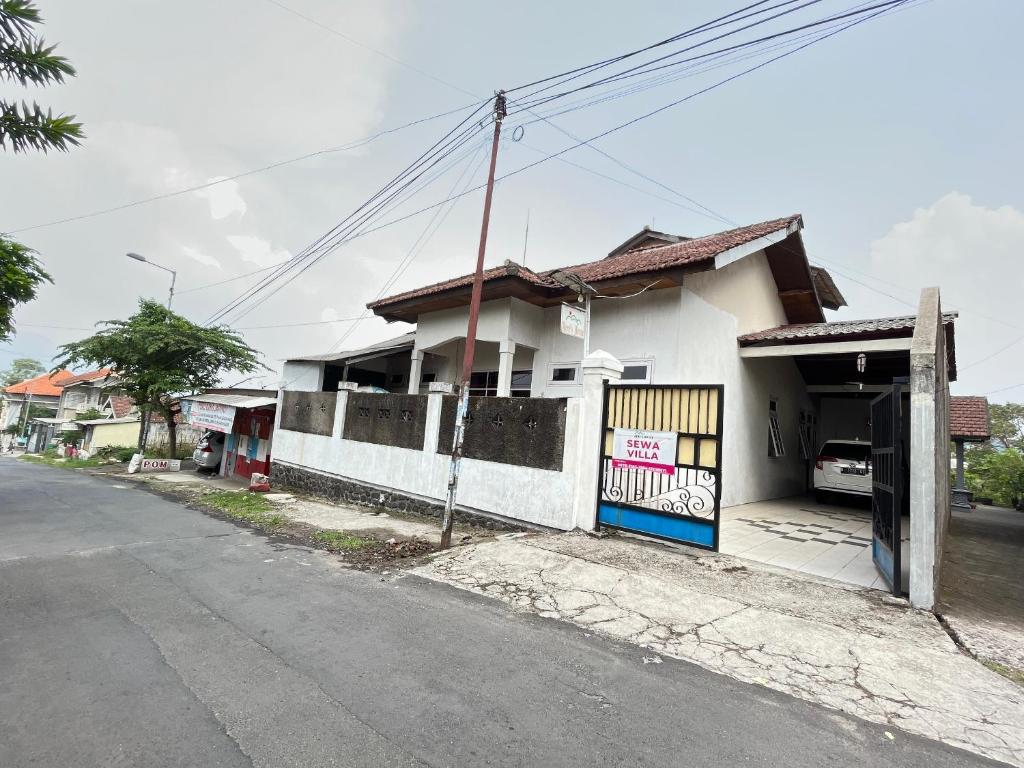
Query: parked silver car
{"points": [[209, 451]]}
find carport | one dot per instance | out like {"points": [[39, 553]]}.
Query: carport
{"points": [[883, 380]]}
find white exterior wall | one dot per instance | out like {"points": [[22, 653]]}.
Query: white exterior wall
{"points": [[538, 496], [745, 289], [303, 376]]}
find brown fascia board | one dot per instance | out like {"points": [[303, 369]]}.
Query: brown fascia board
{"points": [[506, 286], [791, 271]]}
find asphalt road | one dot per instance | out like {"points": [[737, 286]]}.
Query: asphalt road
{"points": [[136, 632]]}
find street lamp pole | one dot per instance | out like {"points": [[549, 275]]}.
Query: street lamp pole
{"points": [[174, 275], [170, 298]]}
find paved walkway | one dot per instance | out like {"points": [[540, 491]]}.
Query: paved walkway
{"points": [[982, 594], [852, 649]]}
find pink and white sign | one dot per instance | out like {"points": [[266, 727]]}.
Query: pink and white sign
{"points": [[642, 449], [161, 465]]}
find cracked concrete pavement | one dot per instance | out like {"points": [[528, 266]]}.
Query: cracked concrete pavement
{"points": [[854, 650]]}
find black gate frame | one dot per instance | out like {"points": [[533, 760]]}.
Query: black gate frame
{"points": [[887, 487], [669, 512]]}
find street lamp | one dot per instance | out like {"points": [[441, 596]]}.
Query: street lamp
{"points": [[174, 275]]}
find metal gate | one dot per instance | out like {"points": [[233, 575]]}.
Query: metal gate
{"points": [[672, 488], [887, 483]]}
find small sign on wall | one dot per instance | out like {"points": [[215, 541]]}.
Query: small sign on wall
{"points": [[644, 449], [161, 465], [574, 321]]}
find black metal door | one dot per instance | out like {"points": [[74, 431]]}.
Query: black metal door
{"points": [[887, 486]]}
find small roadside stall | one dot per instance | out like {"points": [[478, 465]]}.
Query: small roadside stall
{"points": [[246, 417]]}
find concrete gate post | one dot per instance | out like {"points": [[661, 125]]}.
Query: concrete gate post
{"points": [[598, 368]]}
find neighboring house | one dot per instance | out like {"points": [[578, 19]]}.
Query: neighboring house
{"points": [[245, 416], [968, 423], [112, 432], [87, 391], [43, 390], [741, 309]]}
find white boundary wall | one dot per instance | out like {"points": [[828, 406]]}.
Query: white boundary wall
{"points": [[538, 496]]}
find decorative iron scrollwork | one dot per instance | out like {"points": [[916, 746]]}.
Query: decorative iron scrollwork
{"points": [[497, 420], [383, 413], [688, 492], [364, 412], [530, 423], [406, 415]]}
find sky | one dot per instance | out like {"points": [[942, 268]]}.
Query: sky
{"points": [[898, 140]]}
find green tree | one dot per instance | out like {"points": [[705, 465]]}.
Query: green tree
{"points": [[996, 474], [26, 59], [22, 368], [20, 276], [91, 414], [158, 354], [1007, 421]]}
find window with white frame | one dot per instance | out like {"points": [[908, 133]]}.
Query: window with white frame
{"points": [[807, 428], [565, 373], [637, 371], [776, 447]]}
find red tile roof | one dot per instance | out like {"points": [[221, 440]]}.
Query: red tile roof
{"points": [[122, 405], [838, 330], [43, 385], [652, 259], [506, 270], [968, 418], [637, 261], [101, 373]]}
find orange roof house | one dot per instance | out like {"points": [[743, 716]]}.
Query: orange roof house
{"points": [[43, 385]]}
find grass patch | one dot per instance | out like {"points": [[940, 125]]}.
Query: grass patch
{"points": [[247, 507], [339, 540], [1010, 673], [54, 461]]}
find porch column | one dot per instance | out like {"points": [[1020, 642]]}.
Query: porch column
{"points": [[961, 496], [599, 368], [506, 352], [415, 371]]}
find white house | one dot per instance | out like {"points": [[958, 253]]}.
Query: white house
{"points": [[741, 312]]}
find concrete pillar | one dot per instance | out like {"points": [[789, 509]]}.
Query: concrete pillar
{"points": [[506, 353], [961, 496], [598, 368], [341, 407], [929, 450], [415, 371]]}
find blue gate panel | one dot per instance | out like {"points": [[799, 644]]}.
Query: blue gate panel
{"points": [[682, 529], [883, 560]]}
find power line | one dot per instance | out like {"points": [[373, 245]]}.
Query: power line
{"points": [[221, 180], [331, 241], [444, 146], [340, 235]]}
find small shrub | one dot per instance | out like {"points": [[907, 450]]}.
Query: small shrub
{"points": [[115, 453]]}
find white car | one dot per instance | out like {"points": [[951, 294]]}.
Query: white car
{"points": [[843, 466]]}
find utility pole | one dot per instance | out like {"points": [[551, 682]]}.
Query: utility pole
{"points": [[474, 315]]}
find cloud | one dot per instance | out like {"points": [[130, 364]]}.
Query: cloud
{"points": [[257, 250], [197, 255], [330, 313], [224, 198], [973, 254]]}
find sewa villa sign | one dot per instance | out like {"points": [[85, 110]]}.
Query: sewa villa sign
{"points": [[643, 449]]}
